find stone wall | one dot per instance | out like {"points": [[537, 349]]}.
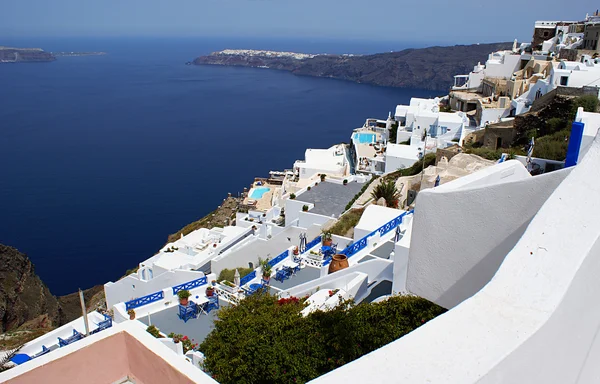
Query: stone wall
{"points": [[505, 133]]}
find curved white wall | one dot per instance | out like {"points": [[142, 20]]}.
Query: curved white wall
{"points": [[536, 321], [462, 230]]}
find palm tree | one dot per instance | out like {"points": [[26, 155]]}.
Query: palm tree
{"points": [[5, 361], [387, 190]]}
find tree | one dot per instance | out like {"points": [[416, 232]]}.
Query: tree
{"points": [[588, 102], [387, 190], [265, 339]]}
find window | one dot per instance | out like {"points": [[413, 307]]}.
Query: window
{"points": [[564, 80]]}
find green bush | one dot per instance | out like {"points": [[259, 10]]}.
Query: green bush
{"points": [[229, 274], [266, 340], [153, 331], [552, 147], [486, 153], [184, 294], [588, 102], [414, 169], [347, 221]]}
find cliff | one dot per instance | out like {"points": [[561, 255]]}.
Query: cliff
{"points": [[20, 55], [26, 301], [430, 68]]}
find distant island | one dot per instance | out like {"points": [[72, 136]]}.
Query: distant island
{"points": [[19, 55], [24, 55], [78, 53], [430, 68]]}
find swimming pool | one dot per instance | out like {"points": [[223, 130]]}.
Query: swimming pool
{"points": [[257, 193], [364, 138]]}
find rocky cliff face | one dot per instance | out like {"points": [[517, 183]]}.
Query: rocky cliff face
{"points": [[24, 298], [427, 68]]}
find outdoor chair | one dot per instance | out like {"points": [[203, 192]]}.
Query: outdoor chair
{"points": [[104, 324], [71, 339], [187, 312], [213, 303], [43, 352]]}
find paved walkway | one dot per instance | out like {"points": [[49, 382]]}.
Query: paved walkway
{"points": [[330, 199]]}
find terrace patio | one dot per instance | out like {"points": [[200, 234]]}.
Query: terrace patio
{"points": [[167, 321], [305, 275]]}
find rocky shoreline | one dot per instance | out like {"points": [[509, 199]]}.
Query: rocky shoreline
{"points": [[430, 68]]}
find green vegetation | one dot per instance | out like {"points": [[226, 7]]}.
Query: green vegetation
{"points": [[265, 266], [387, 190], [393, 132], [304, 208], [347, 221], [414, 169], [486, 153], [154, 331], [588, 102], [362, 190], [266, 340], [229, 274], [293, 196], [184, 294], [187, 343], [553, 147]]}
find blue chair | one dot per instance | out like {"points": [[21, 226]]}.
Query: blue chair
{"points": [[71, 339], [213, 303], [104, 324], [43, 352], [187, 312]]}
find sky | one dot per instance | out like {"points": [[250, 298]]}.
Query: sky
{"points": [[443, 21]]}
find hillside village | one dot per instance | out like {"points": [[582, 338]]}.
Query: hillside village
{"points": [[481, 202]]}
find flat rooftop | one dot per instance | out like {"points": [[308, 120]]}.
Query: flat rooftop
{"points": [[330, 199]]}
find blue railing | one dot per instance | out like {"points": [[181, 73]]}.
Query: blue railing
{"points": [[362, 243], [190, 285], [279, 258], [316, 241], [144, 300], [249, 277]]}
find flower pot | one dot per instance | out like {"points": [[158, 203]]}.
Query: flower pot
{"points": [[327, 243], [132, 316], [210, 292], [338, 262], [184, 301]]}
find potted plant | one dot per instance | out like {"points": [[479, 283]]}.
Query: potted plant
{"points": [[266, 269], [292, 196], [345, 181], [326, 238], [308, 188], [131, 314], [210, 291], [228, 285], [304, 208], [323, 176], [184, 296], [296, 251], [214, 282], [316, 183]]}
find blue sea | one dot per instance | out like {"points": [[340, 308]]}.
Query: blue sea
{"points": [[102, 157]]}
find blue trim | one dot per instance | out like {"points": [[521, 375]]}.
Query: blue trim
{"points": [[190, 285], [283, 255], [156, 296], [574, 144], [315, 241], [248, 277], [354, 248]]}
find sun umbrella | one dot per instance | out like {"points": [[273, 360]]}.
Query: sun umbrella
{"points": [[236, 278]]}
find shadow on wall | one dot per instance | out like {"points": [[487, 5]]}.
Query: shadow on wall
{"points": [[482, 272]]}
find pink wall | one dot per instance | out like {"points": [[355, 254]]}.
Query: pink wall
{"points": [[105, 362]]}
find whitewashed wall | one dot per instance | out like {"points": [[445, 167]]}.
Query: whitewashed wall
{"points": [[129, 288], [461, 235]]}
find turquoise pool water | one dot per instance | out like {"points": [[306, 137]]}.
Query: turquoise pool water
{"points": [[257, 193], [365, 138]]}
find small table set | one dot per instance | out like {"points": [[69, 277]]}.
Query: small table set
{"points": [[289, 268], [203, 305]]}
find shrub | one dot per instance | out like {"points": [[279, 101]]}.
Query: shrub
{"points": [[184, 294], [588, 102], [153, 331], [304, 208], [278, 345], [346, 221], [552, 147], [323, 176], [308, 188], [229, 274], [188, 344], [292, 196], [486, 153], [345, 181]]}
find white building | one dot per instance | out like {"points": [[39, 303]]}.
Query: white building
{"points": [[331, 161], [500, 64]]}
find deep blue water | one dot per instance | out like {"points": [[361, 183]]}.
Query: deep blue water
{"points": [[102, 157]]}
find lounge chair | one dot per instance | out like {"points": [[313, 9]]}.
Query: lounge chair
{"points": [[71, 339]]}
